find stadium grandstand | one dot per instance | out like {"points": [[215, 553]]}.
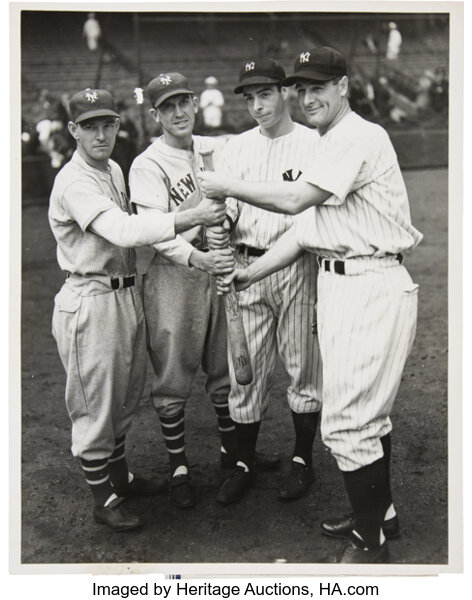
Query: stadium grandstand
{"points": [[408, 95]]}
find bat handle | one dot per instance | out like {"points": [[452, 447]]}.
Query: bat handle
{"points": [[207, 157], [237, 337]]}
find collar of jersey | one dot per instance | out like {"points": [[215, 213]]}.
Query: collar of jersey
{"points": [[77, 158], [178, 152], [343, 122], [279, 137]]}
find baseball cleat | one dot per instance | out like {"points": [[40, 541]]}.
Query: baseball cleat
{"points": [[297, 483], [116, 516], [235, 486], [182, 492], [342, 527], [353, 553]]}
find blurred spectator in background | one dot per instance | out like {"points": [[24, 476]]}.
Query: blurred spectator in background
{"points": [[394, 42], [61, 144], [362, 96], [212, 102], [92, 32], [41, 116], [371, 43], [390, 103], [383, 99], [439, 90], [29, 138], [50, 118], [407, 100], [423, 95], [126, 146]]}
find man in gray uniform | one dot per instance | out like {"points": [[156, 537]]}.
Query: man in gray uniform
{"points": [[98, 319]]}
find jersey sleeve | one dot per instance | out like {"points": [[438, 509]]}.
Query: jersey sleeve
{"points": [[148, 188], [83, 201], [305, 228], [336, 169], [129, 231], [177, 250]]}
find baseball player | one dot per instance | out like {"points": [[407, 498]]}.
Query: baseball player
{"points": [[98, 319], [185, 317], [355, 215], [277, 312]]}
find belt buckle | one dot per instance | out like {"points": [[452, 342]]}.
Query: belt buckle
{"points": [[116, 283], [324, 263], [243, 250]]}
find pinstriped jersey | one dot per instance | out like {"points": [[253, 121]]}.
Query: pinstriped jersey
{"points": [[255, 157], [368, 213]]}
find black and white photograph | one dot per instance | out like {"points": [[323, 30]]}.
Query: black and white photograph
{"points": [[235, 311]]}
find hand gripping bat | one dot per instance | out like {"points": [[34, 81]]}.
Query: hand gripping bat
{"points": [[236, 336]]}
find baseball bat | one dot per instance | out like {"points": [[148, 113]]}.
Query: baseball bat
{"points": [[236, 335]]}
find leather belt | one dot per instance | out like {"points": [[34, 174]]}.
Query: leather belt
{"points": [[338, 266], [249, 250], [121, 282]]}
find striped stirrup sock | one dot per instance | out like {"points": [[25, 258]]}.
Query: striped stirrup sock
{"points": [[97, 476], [173, 431], [226, 425], [118, 466]]}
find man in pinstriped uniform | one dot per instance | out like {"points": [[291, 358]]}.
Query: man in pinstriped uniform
{"points": [[356, 216], [278, 312]]}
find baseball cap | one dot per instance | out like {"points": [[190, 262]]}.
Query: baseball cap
{"points": [[89, 103], [253, 72], [320, 64], [166, 85]]}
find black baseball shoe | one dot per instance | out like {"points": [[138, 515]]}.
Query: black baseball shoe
{"points": [[182, 492], [342, 527], [116, 516], [354, 552], [141, 487], [297, 483], [234, 487], [262, 462]]}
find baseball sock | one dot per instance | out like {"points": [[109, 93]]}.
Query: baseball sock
{"points": [[97, 475], [119, 474], [173, 430], [226, 426], [365, 488], [305, 431], [247, 438], [386, 442]]}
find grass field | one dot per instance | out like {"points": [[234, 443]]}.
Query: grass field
{"points": [[56, 509]]}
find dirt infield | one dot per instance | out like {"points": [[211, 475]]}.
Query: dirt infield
{"points": [[56, 508]]}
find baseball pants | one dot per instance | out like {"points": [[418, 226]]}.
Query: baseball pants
{"points": [[366, 329], [101, 339], [186, 328], [277, 314]]}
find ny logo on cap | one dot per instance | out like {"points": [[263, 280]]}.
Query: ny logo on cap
{"points": [[91, 96], [165, 79], [304, 57], [250, 66]]}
